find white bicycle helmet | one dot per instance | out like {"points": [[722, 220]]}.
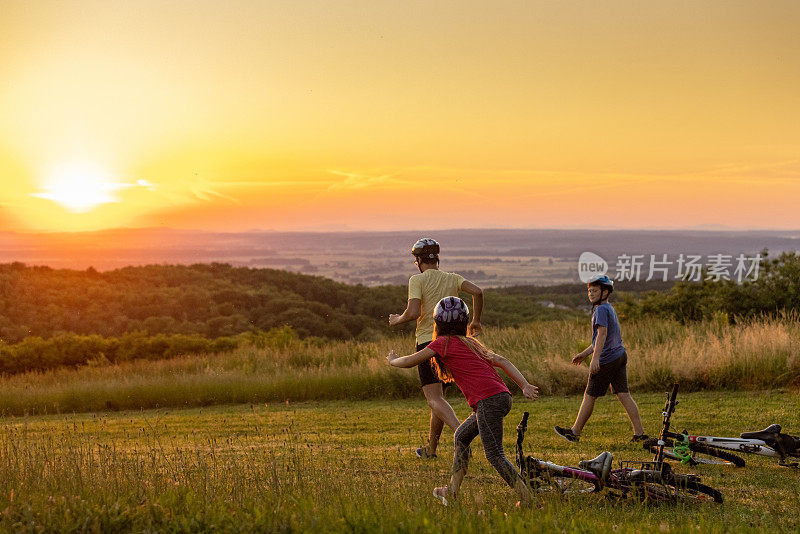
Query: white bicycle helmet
{"points": [[425, 248], [451, 310]]}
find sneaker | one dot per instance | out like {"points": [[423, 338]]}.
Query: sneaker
{"points": [[567, 434], [640, 437], [422, 452]]}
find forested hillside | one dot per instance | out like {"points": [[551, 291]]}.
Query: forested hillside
{"points": [[55, 317], [213, 300]]}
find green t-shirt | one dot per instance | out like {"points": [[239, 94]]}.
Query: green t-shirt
{"points": [[430, 287]]}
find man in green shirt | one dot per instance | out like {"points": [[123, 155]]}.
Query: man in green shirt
{"points": [[424, 291]]}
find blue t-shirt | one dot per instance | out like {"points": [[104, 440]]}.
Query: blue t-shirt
{"points": [[604, 315]]}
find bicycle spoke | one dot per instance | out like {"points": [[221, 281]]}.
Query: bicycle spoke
{"points": [[569, 486]]}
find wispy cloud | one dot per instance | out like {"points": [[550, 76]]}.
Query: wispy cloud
{"points": [[207, 191], [355, 181]]}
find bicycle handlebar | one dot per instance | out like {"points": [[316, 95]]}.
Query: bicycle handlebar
{"points": [[670, 408]]}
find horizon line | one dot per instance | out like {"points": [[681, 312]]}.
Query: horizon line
{"points": [[344, 230]]}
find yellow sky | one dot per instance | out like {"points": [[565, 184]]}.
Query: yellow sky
{"points": [[397, 115]]}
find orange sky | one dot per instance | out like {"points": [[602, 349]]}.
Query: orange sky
{"points": [[380, 115]]}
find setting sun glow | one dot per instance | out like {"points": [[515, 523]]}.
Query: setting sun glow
{"points": [[79, 187], [365, 115]]}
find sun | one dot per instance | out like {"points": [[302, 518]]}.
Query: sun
{"points": [[79, 187]]}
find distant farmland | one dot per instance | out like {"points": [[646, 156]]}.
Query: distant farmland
{"points": [[493, 258]]}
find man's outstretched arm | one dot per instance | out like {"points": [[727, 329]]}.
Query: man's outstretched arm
{"points": [[413, 310], [477, 306]]}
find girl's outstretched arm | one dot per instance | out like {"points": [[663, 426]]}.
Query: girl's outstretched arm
{"points": [[412, 360], [528, 389]]}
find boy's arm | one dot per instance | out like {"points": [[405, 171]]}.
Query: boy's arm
{"points": [[474, 327], [599, 343], [528, 389], [413, 310], [582, 356], [412, 360]]}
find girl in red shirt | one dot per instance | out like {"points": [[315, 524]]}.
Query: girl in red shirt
{"points": [[472, 366]]}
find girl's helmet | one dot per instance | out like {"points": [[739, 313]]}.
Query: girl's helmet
{"points": [[451, 310], [425, 248], [603, 281]]}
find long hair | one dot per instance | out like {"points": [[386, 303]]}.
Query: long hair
{"points": [[451, 330]]}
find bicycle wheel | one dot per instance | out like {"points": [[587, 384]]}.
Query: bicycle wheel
{"points": [[688, 491], [566, 485], [673, 488], [722, 454], [718, 456]]}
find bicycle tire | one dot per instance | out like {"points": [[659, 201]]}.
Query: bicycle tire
{"points": [[688, 491], [571, 485], [724, 456], [565, 485], [676, 488], [702, 448]]}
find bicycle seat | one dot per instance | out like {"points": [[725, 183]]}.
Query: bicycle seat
{"points": [[768, 433], [600, 466]]}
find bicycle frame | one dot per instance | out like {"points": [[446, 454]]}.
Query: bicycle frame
{"points": [[572, 472], [537, 468], [750, 446], [618, 479]]}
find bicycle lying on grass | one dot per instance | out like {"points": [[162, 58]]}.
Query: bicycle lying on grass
{"points": [[645, 480], [693, 450]]}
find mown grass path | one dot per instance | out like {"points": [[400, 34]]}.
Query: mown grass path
{"points": [[349, 466]]}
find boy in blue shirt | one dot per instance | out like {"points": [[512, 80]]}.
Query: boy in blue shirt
{"points": [[608, 365]]}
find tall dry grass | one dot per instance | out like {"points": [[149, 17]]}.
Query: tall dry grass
{"points": [[761, 353], [757, 354]]}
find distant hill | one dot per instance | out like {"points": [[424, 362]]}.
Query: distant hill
{"points": [[490, 257]]}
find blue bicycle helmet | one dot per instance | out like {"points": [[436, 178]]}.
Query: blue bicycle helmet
{"points": [[601, 280], [451, 310]]}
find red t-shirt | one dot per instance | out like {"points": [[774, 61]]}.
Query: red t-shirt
{"points": [[474, 376]]}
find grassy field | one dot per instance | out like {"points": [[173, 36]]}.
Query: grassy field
{"points": [[348, 466], [711, 355]]}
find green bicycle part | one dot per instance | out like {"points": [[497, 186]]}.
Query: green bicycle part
{"points": [[681, 449]]}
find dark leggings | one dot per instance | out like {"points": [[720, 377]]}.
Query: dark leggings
{"points": [[486, 421]]}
